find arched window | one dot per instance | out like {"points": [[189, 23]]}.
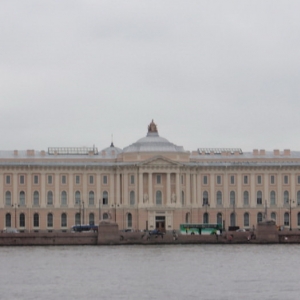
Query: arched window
{"points": [[36, 198], [219, 219], [77, 219], [77, 197], [232, 219], [219, 198], [232, 198], [187, 217], [105, 198], [286, 219], [63, 220], [91, 219], [205, 218], [272, 198], [286, 197], [246, 198], [22, 220], [298, 219], [36, 220], [129, 220], [273, 216], [22, 198], [182, 198], [158, 198], [259, 217], [298, 198], [132, 198], [8, 198], [105, 216], [50, 220], [63, 198], [8, 220], [50, 198], [205, 198], [246, 219], [259, 198], [91, 198]]}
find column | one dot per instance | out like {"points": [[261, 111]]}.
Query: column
{"points": [[118, 188], [125, 188], [168, 189], [178, 196], [140, 184], [188, 187], [150, 189]]}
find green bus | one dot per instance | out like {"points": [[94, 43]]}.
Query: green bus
{"points": [[207, 229]]}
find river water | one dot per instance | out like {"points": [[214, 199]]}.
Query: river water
{"points": [[151, 272]]}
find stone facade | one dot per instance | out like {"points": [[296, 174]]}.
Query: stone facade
{"points": [[150, 184]]}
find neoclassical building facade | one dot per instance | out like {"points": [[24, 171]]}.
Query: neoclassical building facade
{"points": [[150, 184]]}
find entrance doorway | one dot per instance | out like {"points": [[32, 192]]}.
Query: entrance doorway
{"points": [[160, 223]]}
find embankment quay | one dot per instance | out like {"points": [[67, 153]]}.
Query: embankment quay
{"points": [[108, 234]]}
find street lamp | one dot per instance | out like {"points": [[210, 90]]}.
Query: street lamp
{"points": [[291, 201], [15, 205], [83, 212]]}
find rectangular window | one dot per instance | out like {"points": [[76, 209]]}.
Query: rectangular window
{"points": [[131, 179], [49, 179], [205, 180], [104, 179], [22, 179], [232, 179], [77, 179], [91, 179], [259, 179], [219, 179], [286, 179], [298, 179], [272, 179], [36, 179], [63, 179], [158, 179], [7, 179], [245, 179]]}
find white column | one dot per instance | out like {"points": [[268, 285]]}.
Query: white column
{"points": [[188, 187], [125, 188], [178, 196], [140, 184], [150, 188], [118, 200]]}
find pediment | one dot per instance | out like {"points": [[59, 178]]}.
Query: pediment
{"points": [[159, 161]]}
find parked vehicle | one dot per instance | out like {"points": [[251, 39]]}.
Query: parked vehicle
{"points": [[10, 230]]}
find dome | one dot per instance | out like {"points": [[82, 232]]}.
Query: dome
{"points": [[153, 143]]}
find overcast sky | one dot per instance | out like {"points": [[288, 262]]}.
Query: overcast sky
{"points": [[210, 73]]}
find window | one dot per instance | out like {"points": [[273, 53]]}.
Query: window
{"points": [[219, 179], [36, 198], [182, 197], [91, 179], [131, 179], [205, 180], [205, 198], [246, 219], [286, 179], [259, 198], [219, 198], [7, 179], [22, 179], [22, 198], [49, 198], [77, 219], [91, 219], [49, 179], [35, 179], [245, 179], [8, 220], [232, 219], [298, 179], [132, 198], [104, 179], [22, 220], [286, 197], [232, 198], [272, 179], [187, 217], [219, 218], [77, 197], [63, 179], [158, 179], [63, 198], [205, 218], [232, 179], [36, 220], [91, 198], [298, 198], [298, 219], [105, 216], [273, 216], [129, 220], [286, 219], [49, 220], [77, 179], [246, 198], [105, 198], [272, 198], [259, 179], [8, 198], [63, 220], [158, 198], [259, 217]]}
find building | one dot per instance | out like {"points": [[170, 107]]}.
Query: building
{"points": [[152, 183]]}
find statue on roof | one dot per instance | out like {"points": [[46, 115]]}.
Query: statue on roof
{"points": [[152, 127]]}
